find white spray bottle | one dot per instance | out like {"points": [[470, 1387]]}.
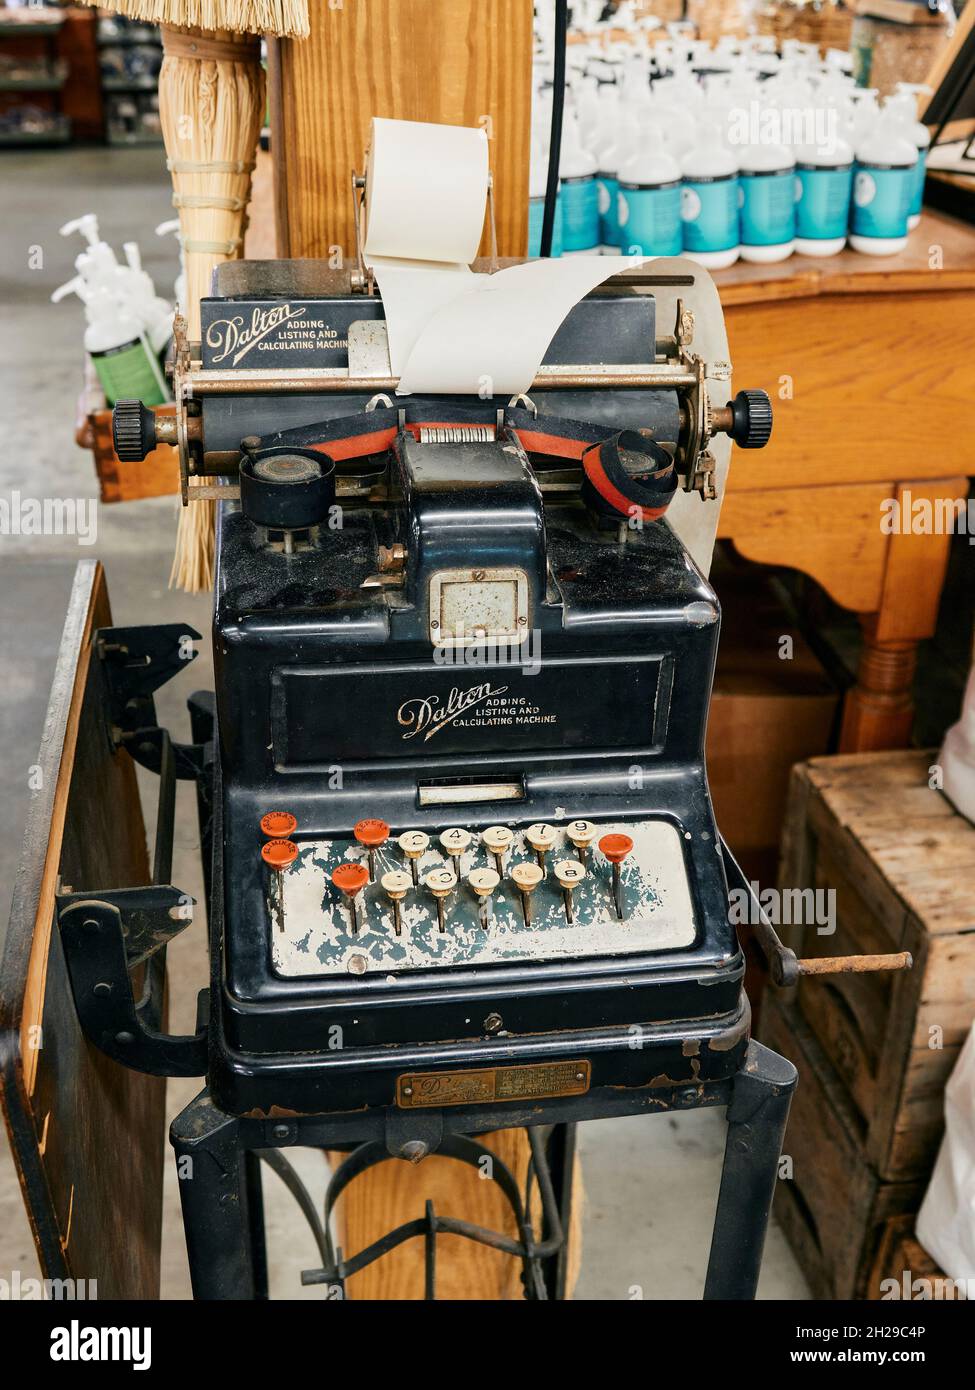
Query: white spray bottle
{"points": [[117, 345]]}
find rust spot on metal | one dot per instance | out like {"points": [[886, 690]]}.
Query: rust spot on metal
{"points": [[273, 1112], [691, 1047]]}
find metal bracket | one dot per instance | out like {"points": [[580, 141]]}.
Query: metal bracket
{"points": [[136, 661], [150, 916], [106, 934], [95, 954]]}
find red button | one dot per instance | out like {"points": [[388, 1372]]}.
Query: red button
{"points": [[616, 847], [371, 833], [278, 825], [349, 878], [279, 853]]}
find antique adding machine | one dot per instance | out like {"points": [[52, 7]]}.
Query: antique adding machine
{"points": [[462, 866]]}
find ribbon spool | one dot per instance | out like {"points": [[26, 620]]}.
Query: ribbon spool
{"points": [[628, 475], [286, 489]]}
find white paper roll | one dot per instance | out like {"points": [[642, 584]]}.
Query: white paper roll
{"points": [[426, 191]]}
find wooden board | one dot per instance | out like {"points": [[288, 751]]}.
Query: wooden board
{"points": [[87, 1135], [385, 1197], [457, 62]]}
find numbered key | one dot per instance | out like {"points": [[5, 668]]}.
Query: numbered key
{"points": [[541, 838], [570, 874], [413, 843], [396, 885], [615, 848], [581, 834], [454, 841], [350, 879], [483, 882], [526, 878], [441, 883], [498, 840]]}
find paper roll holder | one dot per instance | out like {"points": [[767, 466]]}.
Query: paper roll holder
{"points": [[363, 280]]}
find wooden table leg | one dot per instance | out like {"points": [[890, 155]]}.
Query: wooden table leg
{"points": [[879, 710]]}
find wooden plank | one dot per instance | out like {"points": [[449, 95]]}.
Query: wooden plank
{"points": [[856, 368], [386, 1197], [87, 1135], [900, 1253], [809, 528], [457, 62], [833, 1208]]}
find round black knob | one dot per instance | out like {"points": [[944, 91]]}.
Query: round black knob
{"points": [[752, 419], [133, 431]]}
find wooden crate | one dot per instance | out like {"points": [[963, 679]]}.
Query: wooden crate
{"points": [[157, 475], [832, 1206], [827, 26], [901, 1254], [901, 862]]}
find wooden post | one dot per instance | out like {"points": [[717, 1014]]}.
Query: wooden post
{"points": [[457, 62]]}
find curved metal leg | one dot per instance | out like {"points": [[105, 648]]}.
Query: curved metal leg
{"points": [[757, 1115]]}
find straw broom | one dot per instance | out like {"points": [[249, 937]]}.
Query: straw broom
{"points": [[211, 104]]}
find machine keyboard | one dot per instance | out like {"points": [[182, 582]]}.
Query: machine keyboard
{"points": [[377, 900]]}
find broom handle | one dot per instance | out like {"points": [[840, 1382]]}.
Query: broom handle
{"points": [[187, 46]]}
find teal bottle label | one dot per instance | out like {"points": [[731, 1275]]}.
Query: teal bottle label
{"points": [[650, 219], [607, 186], [881, 199], [823, 207], [768, 208], [580, 214], [536, 216], [709, 213], [920, 169]]}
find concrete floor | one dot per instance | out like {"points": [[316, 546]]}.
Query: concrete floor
{"points": [[651, 1183]]}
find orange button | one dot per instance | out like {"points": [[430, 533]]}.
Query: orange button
{"points": [[616, 847], [278, 825], [279, 853], [349, 878], [371, 833]]}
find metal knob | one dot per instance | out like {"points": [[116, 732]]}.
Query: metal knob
{"points": [[751, 416], [133, 431]]}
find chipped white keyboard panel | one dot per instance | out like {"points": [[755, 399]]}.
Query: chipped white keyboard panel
{"points": [[311, 929]]}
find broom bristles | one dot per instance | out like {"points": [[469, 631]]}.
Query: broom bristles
{"points": [[287, 19]]}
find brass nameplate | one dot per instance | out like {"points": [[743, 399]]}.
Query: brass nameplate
{"points": [[417, 1089]]}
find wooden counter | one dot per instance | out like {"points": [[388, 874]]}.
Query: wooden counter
{"points": [[868, 363]]}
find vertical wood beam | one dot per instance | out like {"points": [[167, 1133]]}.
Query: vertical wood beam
{"points": [[457, 62]]}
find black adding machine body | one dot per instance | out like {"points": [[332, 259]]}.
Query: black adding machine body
{"points": [[463, 869]]}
